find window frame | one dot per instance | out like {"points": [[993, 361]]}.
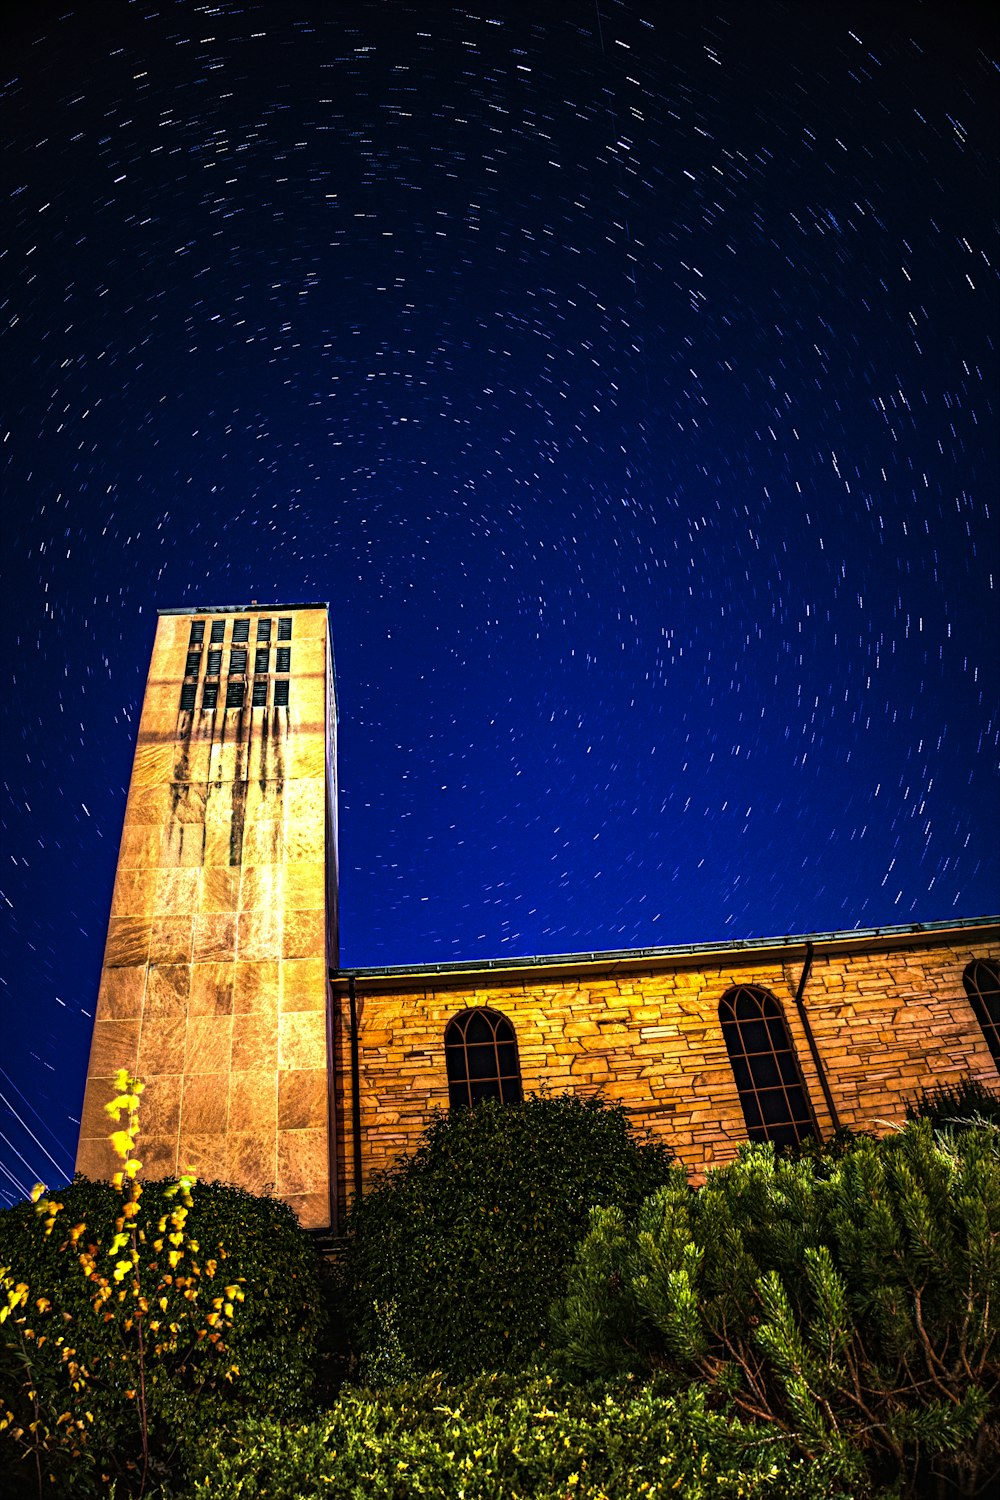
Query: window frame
{"points": [[985, 1003], [467, 1088], [753, 1071]]}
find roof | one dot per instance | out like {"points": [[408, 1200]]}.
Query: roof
{"points": [[775, 949]]}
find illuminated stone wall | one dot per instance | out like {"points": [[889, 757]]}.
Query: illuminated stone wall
{"points": [[223, 920], [889, 1015]]}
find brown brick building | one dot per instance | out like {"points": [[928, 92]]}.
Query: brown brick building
{"points": [[269, 1066]]}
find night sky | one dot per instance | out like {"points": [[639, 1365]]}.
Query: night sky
{"points": [[623, 375]]}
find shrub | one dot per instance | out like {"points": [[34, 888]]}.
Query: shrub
{"points": [[506, 1437], [257, 1242], [853, 1307], [112, 1394], [119, 1318], [956, 1105], [469, 1239]]}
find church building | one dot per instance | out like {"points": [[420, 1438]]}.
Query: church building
{"points": [[269, 1066]]}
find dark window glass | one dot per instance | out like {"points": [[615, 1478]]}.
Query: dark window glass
{"points": [[237, 661], [241, 630], [281, 695], [214, 663], [480, 1053], [197, 632], [260, 694], [283, 659], [765, 1067], [192, 664], [260, 659], [285, 628], [187, 695], [218, 631], [234, 694], [210, 695], [982, 985], [263, 630]]}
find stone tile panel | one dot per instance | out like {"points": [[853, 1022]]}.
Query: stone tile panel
{"points": [[303, 984], [208, 1044], [161, 1045], [211, 989], [121, 993], [114, 1045], [128, 942], [204, 1105], [255, 1043], [303, 1163], [302, 1099], [302, 1040], [215, 935], [253, 1103]]}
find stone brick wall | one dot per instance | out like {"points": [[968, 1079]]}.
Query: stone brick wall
{"points": [[888, 1016], [214, 982]]}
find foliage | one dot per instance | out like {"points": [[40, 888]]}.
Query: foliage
{"points": [[507, 1437], [385, 1361], [824, 1154], [956, 1105], [112, 1346], [153, 1339], [471, 1235], [852, 1307]]}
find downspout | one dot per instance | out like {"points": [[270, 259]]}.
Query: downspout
{"points": [[332, 1046], [807, 1028], [355, 1088]]}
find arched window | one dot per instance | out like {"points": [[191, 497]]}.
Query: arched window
{"points": [[764, 1064], [982, 985], [481, 1057]]}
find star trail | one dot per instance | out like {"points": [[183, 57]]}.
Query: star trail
{"points": [[625, 377]]}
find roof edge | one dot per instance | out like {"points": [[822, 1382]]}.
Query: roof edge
{"points": [[883, 937], [239, 609]]}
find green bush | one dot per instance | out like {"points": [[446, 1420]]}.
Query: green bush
{"points": [[852, 1304], [470, 1238], [505, 1437], [956, 1105], [271, 1343]]}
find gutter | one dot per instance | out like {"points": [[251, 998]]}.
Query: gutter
{"points": [[615, 958]]}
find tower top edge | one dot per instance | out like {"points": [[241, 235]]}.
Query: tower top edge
{"points": [[254, 607]]}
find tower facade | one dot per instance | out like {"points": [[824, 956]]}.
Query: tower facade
{"points": [[223, 928]]}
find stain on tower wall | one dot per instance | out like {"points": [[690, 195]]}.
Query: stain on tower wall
{"points": [[214, 980]]}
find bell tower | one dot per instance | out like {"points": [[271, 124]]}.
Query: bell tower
{"points": [[223, 927]]}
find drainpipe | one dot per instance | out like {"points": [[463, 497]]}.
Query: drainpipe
{"points": [[355, 1088], [807, 1028], [332, 1043]]}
